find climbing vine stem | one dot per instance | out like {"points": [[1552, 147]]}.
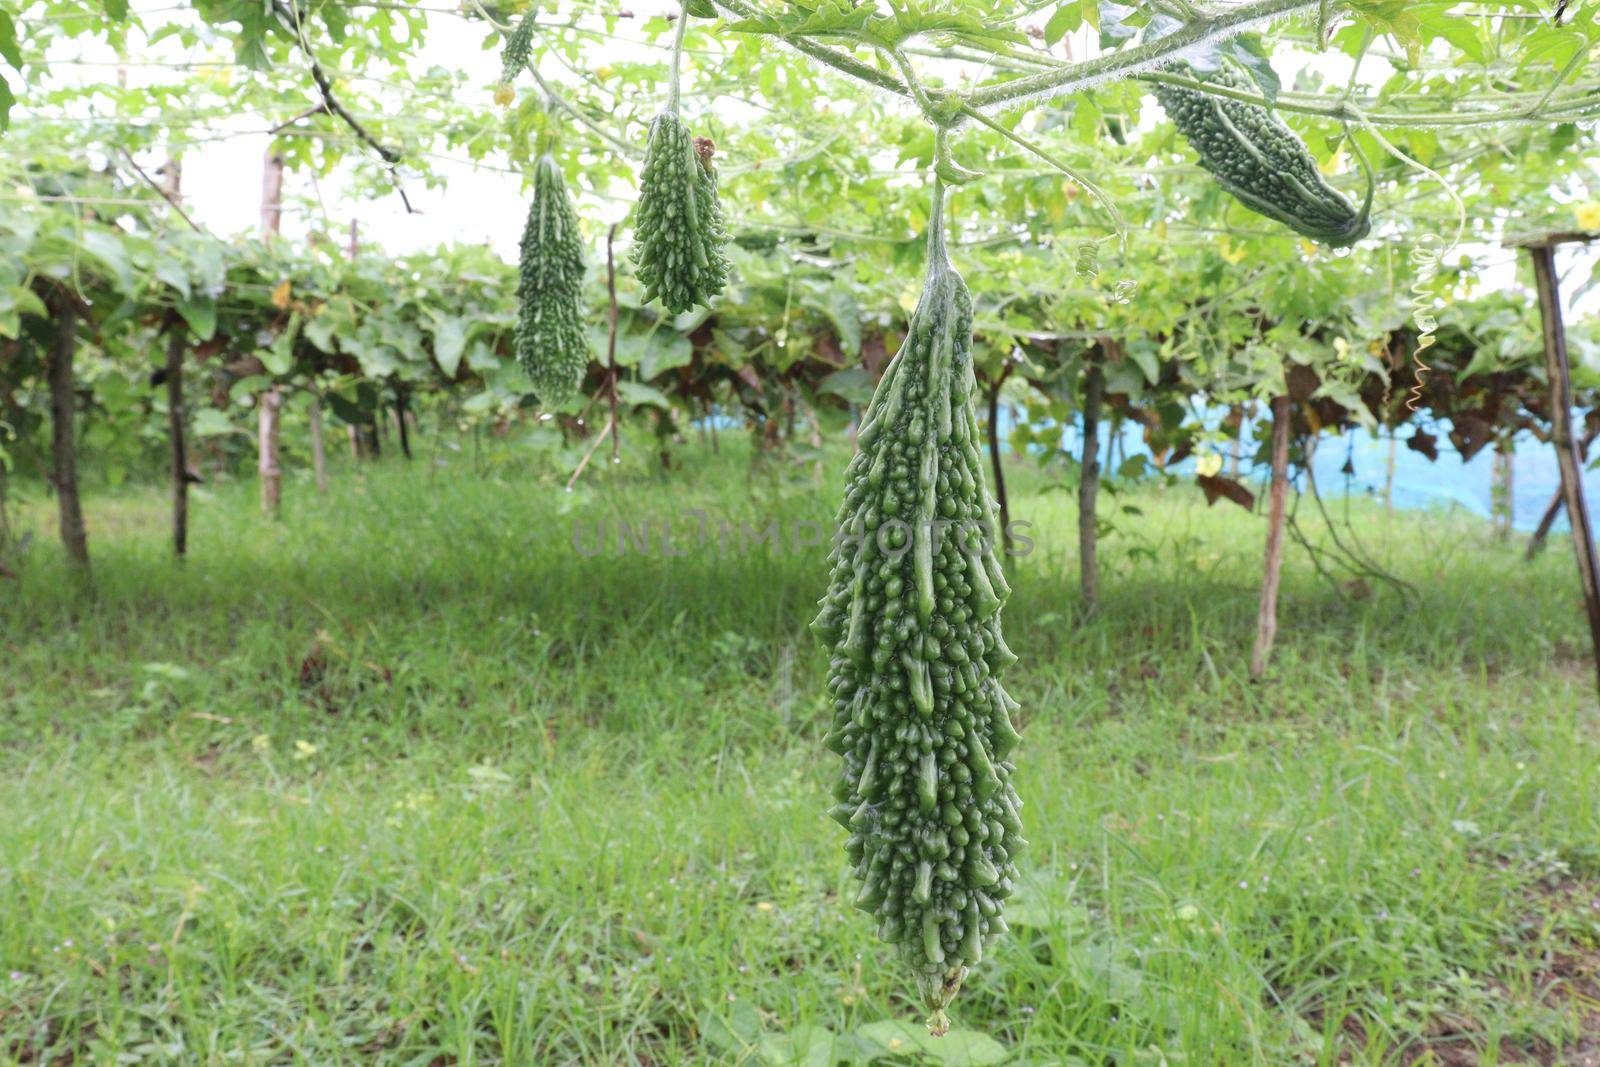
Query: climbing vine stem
{"points": [[677, 57]]}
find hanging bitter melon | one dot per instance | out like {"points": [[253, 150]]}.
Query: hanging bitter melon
{"points": [[678, 251], [912, 616], [550, 340], [518, 49], [1261, 161]]}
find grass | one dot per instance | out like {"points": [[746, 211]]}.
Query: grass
{"points": [[405, 778]]}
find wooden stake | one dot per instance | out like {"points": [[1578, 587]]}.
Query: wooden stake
{"points": [[1267, 613], [611, 345], [1501, 489], [1557, 502], [1388, 480], [401, 410], [319, 458], [271, 403], [1555, 351], [177, 338], [63, 439], [1089, 484], [271, 195]]}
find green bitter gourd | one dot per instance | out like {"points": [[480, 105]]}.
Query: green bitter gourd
{"points": [[550, 340], [912, 617], [679, 252], [1261, 161], [514, 57]]}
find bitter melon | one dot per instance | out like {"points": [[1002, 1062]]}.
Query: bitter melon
{"points": [[912, 618], [678, 252], [1261, 161], [518, 48], [550, 340]]}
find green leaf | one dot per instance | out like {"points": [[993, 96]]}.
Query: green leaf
{"points": [[1068, 17], [852, 384], [209, 422], [109, 251], [958, 1048], [24, 300], [807, 1045], [6, 100], [117, 9], [1144, 354], [735, 1030], [200, 312], [8, 40], [663, 352], [449, 341], [641, 395], [174, 275], [1254, 58]]}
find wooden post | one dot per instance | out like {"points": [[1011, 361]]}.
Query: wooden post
{"points": [[1555, 352], [271, 403], [1267, 613], [1501, 500], [63, 439], [401, 409], [994, 457], [1557, 502], [1094, 385], [177, 338], [319, 458], [1388, 479], [271, 195], [611, 345]]}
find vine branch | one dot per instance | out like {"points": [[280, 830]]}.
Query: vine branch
{"points": [[333, 106]]}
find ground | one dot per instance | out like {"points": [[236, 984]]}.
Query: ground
{"points": [[413, 776]]}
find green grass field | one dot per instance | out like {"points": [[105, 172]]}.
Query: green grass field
{"points": [[404, 778]]}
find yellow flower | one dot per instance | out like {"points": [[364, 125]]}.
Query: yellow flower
{"points": [[1589, 215], [504, 94], [1207, 464], [304, 750], [261, 742], [1230, 252]]}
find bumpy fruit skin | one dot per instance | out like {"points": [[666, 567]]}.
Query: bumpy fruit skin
{"points": [[1261, 162], [912, 616], [550, 340], [678, 251], [518, 48]]}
